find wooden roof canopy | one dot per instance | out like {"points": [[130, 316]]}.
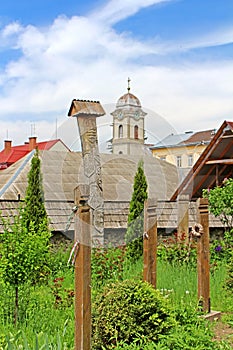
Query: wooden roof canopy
{"points": [[85, 108], [213, 166]]}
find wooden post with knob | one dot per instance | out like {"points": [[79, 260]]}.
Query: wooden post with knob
{"points": [[183, 218], [203, 258], [82, 270], [150, 242]]}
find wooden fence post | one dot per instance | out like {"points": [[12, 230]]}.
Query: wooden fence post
{"points": [[150, 242], [183, 218], [82, 270], [203, 259]]}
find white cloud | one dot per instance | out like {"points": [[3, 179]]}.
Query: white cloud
{"points": [[82, 57], [215, 38], [116, 10], [11, 29]]}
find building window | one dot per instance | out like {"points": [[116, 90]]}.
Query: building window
{"points": [[136, 132], [190, 160], [120, 131], [178, 161]]}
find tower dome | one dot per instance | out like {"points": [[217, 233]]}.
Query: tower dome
{"points": [[128, 100]]}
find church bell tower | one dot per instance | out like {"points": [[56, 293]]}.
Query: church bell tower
{"points": [[128, 125]]}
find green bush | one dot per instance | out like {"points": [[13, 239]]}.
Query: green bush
{"points": [[178, 252], [190, 333], [221, 249], [59, 256], [107, 264], [130, 311], [221, 202]]}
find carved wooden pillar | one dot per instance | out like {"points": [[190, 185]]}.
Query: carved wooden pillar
{"points": [[82, 270], [150, 242], [86, 113], [203, 259]]}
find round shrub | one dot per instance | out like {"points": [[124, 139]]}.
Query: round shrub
{"points": [[130, 311]]}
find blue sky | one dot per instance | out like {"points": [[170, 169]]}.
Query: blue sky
{"points": [[178, 54]]}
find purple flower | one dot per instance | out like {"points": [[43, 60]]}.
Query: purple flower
{"points": [[218, 248]]}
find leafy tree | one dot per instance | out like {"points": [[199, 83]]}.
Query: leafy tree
{"points": [[24, 255], [24, 243], [221, 205], [135, 227], [34, 210], [221, 202]]}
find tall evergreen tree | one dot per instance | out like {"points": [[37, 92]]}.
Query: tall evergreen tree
{"points": [[134, 233], [34, 210], [24, 244]]}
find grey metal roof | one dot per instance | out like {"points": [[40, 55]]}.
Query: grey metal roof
{"points": [[63, 171], [172, 140]]}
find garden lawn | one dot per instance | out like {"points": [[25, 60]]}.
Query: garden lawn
{"points": [[47, 312]]}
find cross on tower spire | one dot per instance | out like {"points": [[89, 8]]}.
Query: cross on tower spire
{"points": [[128, 85]]}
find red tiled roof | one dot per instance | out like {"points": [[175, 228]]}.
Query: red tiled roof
{"points": [[46, 145], [200, 136], [18, 152], [13, 156]]}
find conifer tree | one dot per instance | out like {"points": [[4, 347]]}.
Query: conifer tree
{"points": [[24, 244], [134, 233], [34, 210]]}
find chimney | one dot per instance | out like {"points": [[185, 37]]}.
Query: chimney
{"points": [[32, 143], [7, 146]]}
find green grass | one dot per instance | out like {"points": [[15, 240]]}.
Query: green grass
{"points": [[53, 321], [180, 281]]}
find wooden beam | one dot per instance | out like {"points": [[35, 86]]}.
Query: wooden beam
{"points": [[200, 183], [150, 242], [211, 184], [217, 175], [220, 161], [227, 136], [183, 217], [203, 259], [82, 270], [226, 149], [189, 179]]}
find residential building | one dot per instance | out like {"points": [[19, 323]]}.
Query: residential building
{"points": [[183, 150]]}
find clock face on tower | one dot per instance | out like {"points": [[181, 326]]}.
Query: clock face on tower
{"points": [[120, 115], [137, 115]]}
